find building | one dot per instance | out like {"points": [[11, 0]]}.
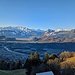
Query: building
{"points": [[45, 73]]}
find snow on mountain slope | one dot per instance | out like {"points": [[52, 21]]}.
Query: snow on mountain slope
{"points": [[58, 30], [22, 32], [58, 35]]}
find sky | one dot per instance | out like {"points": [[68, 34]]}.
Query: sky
{"points": [[38, 14]]}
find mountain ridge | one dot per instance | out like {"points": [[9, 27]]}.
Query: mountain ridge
{"points": [[59, 35]]}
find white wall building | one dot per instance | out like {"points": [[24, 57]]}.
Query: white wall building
{"points": [[45, 73]]}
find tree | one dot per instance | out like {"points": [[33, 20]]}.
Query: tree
{"points": [[34, 59], [36, 55], [54, 65], [53, 56], [46, 56], [4, 65], [64, 55], [31, 57], [18, 64]]}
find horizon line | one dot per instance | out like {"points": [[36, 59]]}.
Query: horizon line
{"points": [[38, 28]]}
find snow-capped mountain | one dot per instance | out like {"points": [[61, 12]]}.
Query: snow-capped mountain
{"points": [[51, 32], [19, 32], [59, 35]]}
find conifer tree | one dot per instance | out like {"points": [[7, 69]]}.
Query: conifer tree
{"points": [[31, 57], [36, 55], [46, 56]]}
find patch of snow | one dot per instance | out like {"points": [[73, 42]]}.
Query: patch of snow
{"points": [[58, 30]]}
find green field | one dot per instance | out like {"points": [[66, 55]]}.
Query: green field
{"points": [[13, 72]]}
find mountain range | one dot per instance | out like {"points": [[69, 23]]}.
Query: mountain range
{"points": [[59, 35], [19, 32]]}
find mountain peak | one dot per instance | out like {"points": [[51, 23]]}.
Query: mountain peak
{"points": [[59, 29]]}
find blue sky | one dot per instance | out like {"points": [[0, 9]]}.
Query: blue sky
{"points": [[38, 14]]}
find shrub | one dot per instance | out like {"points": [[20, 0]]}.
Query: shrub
{"points": [[31, 57], [53, 56], [68, 66], [36, 55], [64, 55], [46, 56]]}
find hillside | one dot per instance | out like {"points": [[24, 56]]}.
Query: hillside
{"points": [[68, 63]]}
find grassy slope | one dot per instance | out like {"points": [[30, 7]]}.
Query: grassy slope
{"points": [[70, 62], [13, 72]]}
